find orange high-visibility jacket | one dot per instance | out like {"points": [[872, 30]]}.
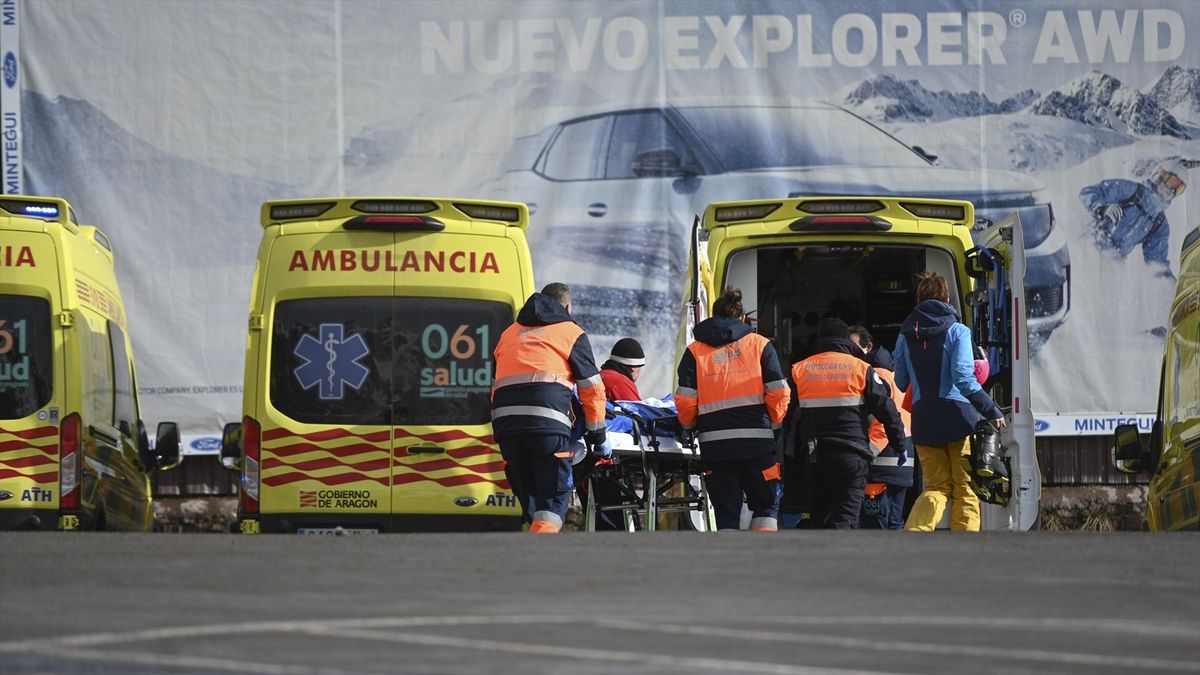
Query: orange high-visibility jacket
{"points": [[540, 361], [732, 390], [836, 393]]}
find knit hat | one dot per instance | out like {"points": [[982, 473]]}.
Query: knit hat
{"points": [[833, 328], [628, 352]]}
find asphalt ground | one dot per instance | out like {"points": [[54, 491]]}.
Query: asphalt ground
{"points": [[665, 602]]}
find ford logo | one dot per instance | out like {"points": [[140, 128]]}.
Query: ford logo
{"points": [[10, 70], [206, 444], [466, 501], [1040, 425]]}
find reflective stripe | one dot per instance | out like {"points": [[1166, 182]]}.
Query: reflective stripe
{"points": [[764, 524], [526, 378], [735, 402], [593, 426], [835, 402], [777, 426], [777, 384], [890, 461], [685, 391], [732, 434], [589, 381], [550, 517], [535, 410], [632, 363]]}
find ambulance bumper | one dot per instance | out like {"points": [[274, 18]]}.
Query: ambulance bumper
{"points": [[28, 519]]}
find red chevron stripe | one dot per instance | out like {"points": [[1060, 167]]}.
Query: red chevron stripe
{"points": [[448, 481], [32, 460], [339, 479], [39, 432], [50, 450], [328, 463], [441, 464], [451, 435], [337, 451], [458, 453], [326, 435], [48, 477]]}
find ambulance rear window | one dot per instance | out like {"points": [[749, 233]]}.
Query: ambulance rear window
{"points": [[25, 358], [385, 360]]}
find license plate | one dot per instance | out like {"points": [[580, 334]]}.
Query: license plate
{"points": [[336, 531]]}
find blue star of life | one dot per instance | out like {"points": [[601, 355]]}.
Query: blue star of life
{"points": [[331, 361]]}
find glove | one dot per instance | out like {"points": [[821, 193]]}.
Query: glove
{"points": [[902, 458], [597, 443], [686, 438], [1112, 213], [603, 451]]}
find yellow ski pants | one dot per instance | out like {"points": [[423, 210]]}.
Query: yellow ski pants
{"points": [[944, 479]]}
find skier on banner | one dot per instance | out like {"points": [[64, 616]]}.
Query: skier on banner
{"points": [[1127, 213]]}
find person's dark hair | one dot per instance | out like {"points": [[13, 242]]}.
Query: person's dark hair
{"points": [[932, 285], [559, 292], [833, 328], [729, 304], [864, 336]]}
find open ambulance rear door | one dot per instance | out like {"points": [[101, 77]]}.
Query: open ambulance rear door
{"points": [[997, 308]]}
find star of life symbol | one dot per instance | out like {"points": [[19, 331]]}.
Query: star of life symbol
{"points": [[331, 361]]}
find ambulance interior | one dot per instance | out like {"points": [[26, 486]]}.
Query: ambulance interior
{"points": [[790, 289]]}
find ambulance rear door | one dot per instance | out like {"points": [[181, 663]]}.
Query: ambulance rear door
{"points": [[326, 416], [997, 311], [32, 381], [456, 291]]}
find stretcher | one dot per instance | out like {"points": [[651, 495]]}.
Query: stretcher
{"points": [[653, 472]]}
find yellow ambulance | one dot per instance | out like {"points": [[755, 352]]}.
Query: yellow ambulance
{"points": [[1173, 457], [801, 259], [369, 365], [73, 449]]}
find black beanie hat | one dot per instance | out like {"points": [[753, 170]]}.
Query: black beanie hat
{"points": [[833, 328], [628, 352]]}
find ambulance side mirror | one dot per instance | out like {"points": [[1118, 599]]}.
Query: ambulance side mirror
{"points": [[1129, 455], [166, 446], [231, 446]]}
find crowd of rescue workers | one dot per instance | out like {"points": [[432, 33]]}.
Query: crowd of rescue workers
{"points": [[829, 445]]}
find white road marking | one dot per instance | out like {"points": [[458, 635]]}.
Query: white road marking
{"points": [[610, 655], [1011, 653], [1189, 630], [77, 646]]}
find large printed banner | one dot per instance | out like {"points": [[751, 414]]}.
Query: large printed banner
{"points": [[168, 123]]}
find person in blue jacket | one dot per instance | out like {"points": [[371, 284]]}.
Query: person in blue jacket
{"points": [[933, 355], [1127, 213]]}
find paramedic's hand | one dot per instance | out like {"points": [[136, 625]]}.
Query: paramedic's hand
{"points": [[1000, 423], [597, 443], [902, 458], [686, 438], [1112, 213]]}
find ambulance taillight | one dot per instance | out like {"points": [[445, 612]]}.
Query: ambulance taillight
{"points": [[251, 443], [68, 449]]}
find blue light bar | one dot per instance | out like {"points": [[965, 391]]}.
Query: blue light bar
{"points": [[27, 208]]}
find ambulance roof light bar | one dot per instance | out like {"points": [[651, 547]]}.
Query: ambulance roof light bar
{"points": [[45, 208], [938, 211], [352, 209]]}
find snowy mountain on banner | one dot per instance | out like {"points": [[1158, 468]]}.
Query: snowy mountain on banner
{"points": [[886, 98], [1100, 100], [1177, 91]]}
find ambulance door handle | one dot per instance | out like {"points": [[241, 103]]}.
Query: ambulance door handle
{"points": [[426, 450], [597, 209]]}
